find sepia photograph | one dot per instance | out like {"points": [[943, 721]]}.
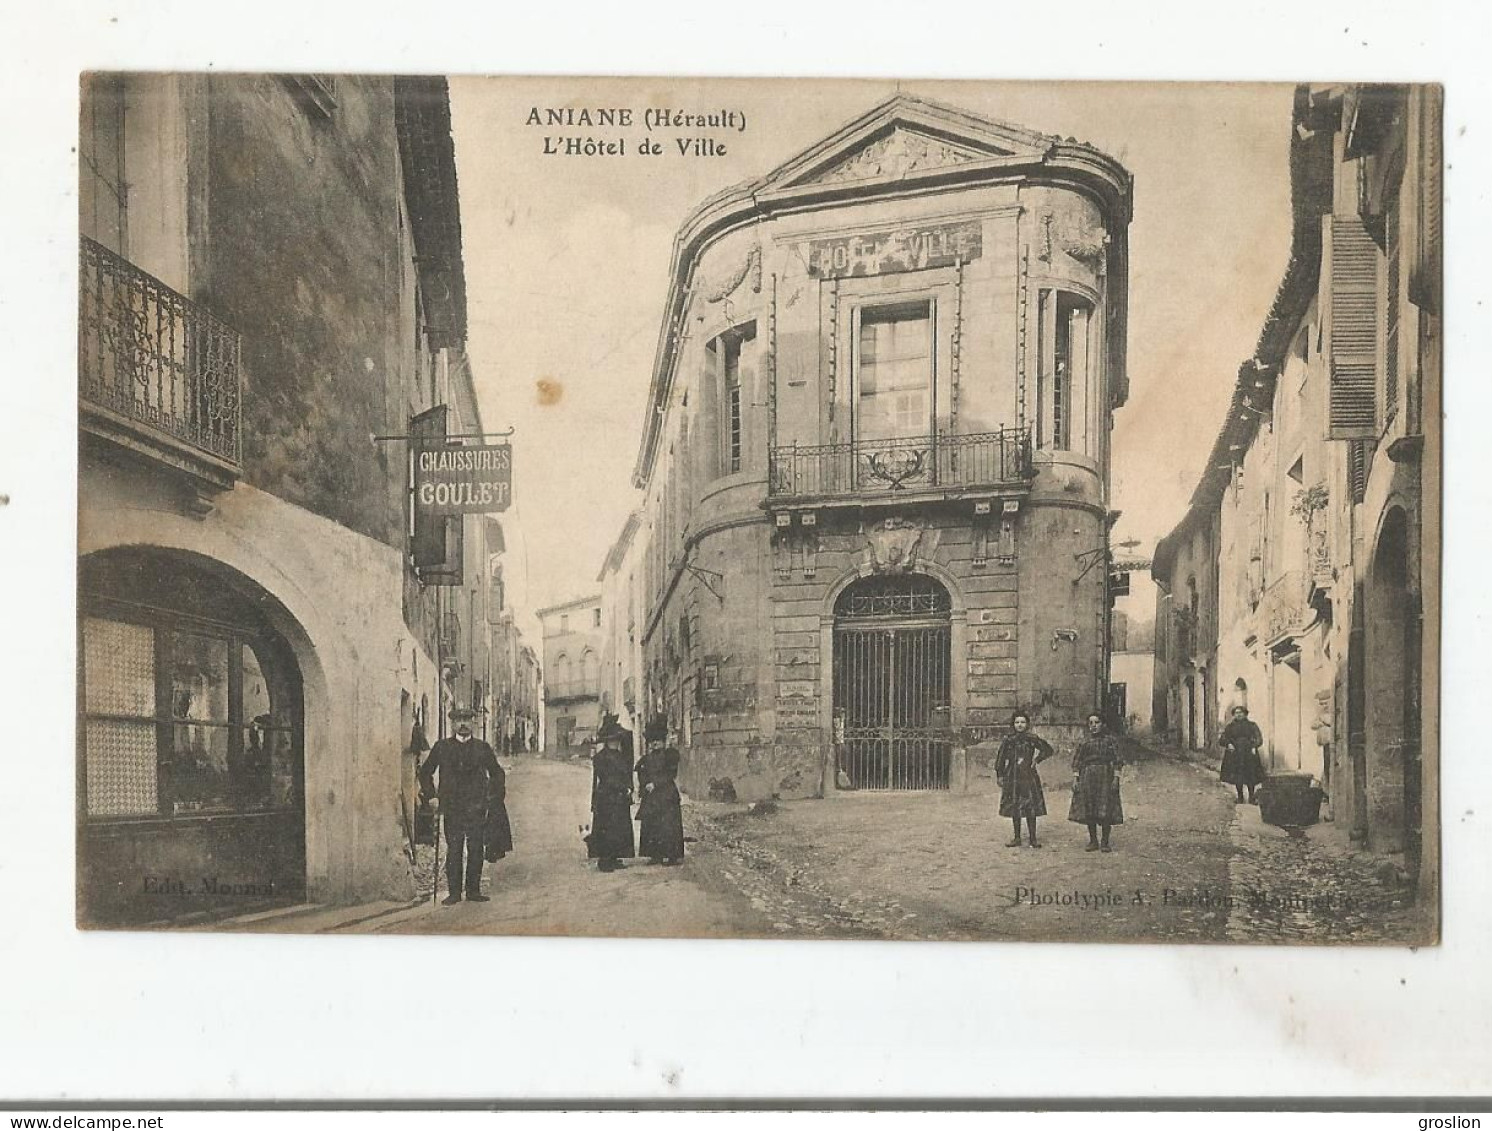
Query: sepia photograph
{"points": [[759, 508]]}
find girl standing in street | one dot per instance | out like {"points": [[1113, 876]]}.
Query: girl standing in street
{"points": [[1020, 785], [1095, 785], [1241, 741]]}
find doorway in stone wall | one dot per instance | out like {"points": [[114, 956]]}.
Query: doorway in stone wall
{"points": [[892, 669]]}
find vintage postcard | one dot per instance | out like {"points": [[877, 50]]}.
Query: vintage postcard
{"points": [[759, 508]]}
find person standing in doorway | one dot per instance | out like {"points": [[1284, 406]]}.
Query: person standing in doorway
{"points": [[610, 838], [1021, 795], [1095, 785], [469, 777], [1242, 766]]}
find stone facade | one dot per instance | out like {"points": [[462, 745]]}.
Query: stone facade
{"points": [[774, 481], [273, 245]]}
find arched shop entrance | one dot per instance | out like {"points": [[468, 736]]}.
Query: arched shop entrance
{"points": [[191, 774], [1393, 681], [892, 667]]}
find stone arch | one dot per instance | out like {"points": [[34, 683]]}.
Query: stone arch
{"points": [[354, 653], [931, 568]]}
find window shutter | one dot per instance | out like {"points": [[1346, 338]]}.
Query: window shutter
{"points": [[429, 534], [1424, 283], [1352, 273]]}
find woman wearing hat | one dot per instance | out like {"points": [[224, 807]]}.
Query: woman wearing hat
{"points": [[610, 839], [661, 838]]}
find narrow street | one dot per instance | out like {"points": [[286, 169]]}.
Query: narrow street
{"points": [[1189, 865], [547, 887]]}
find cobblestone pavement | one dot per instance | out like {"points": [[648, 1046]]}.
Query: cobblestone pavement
{"points": [[1297, 885], [1189, 866]]}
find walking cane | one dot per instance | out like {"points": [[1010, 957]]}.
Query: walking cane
{"points": [[435, 868]]}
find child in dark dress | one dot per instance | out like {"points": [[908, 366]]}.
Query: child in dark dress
{"points": [[1021, 795]]}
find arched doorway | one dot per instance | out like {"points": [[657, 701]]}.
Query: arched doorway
{"points": [[1392, 700], [892, 668], [191, 775]]}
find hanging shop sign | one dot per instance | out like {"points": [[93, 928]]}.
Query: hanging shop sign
{"points": [[472, 479], [905, 249]]}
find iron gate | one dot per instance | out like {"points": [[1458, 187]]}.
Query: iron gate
{"points": [[891, 684]]}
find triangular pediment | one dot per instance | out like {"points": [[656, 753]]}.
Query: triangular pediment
{"points": [[904, 137]]}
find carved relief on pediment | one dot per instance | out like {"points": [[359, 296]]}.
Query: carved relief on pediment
{"points": [[897, 154]]}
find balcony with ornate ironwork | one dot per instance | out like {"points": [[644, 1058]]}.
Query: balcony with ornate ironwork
{"points": [[157, 374], [1284, 611], [912, 469], [571, 690]]}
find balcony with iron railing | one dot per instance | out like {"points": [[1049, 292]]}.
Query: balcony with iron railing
{"points": [[1284, 609], [901, 470], [157, 374], [569, 690]]}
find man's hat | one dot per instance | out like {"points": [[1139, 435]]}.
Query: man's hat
{"points": [[461, 714]]}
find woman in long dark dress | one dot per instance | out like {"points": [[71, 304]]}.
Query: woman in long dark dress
{"points": [[1241, 740], [1021, 795], [610, 839], [1095, 785], [497, 836], [661, 838]]}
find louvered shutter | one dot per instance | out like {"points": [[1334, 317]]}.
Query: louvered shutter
{"points": [[1352, 274], [1424, 283]]}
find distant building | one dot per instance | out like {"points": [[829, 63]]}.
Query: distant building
{"points": [[621, 645], [1131, 644], [270, 273], [572, 672], [875, 463], [1296, 584]]}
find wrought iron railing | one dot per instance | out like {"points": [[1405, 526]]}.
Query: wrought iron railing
{"points": [[572, 689], [152, 356], [1282, 609], [975, 459]]}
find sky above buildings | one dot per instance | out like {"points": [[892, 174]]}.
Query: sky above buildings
{"points": [[567, 268]]}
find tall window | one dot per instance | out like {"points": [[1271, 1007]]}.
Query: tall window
{"points": [[732, 364], [725, 359], [894, 371], [1062, 378], [102, 195]]}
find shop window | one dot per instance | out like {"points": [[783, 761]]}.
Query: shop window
{"points": [[894, 371], [179, 722]]}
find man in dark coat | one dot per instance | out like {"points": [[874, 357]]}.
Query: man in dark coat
{"points": [[469, 778], [610, 839]]}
